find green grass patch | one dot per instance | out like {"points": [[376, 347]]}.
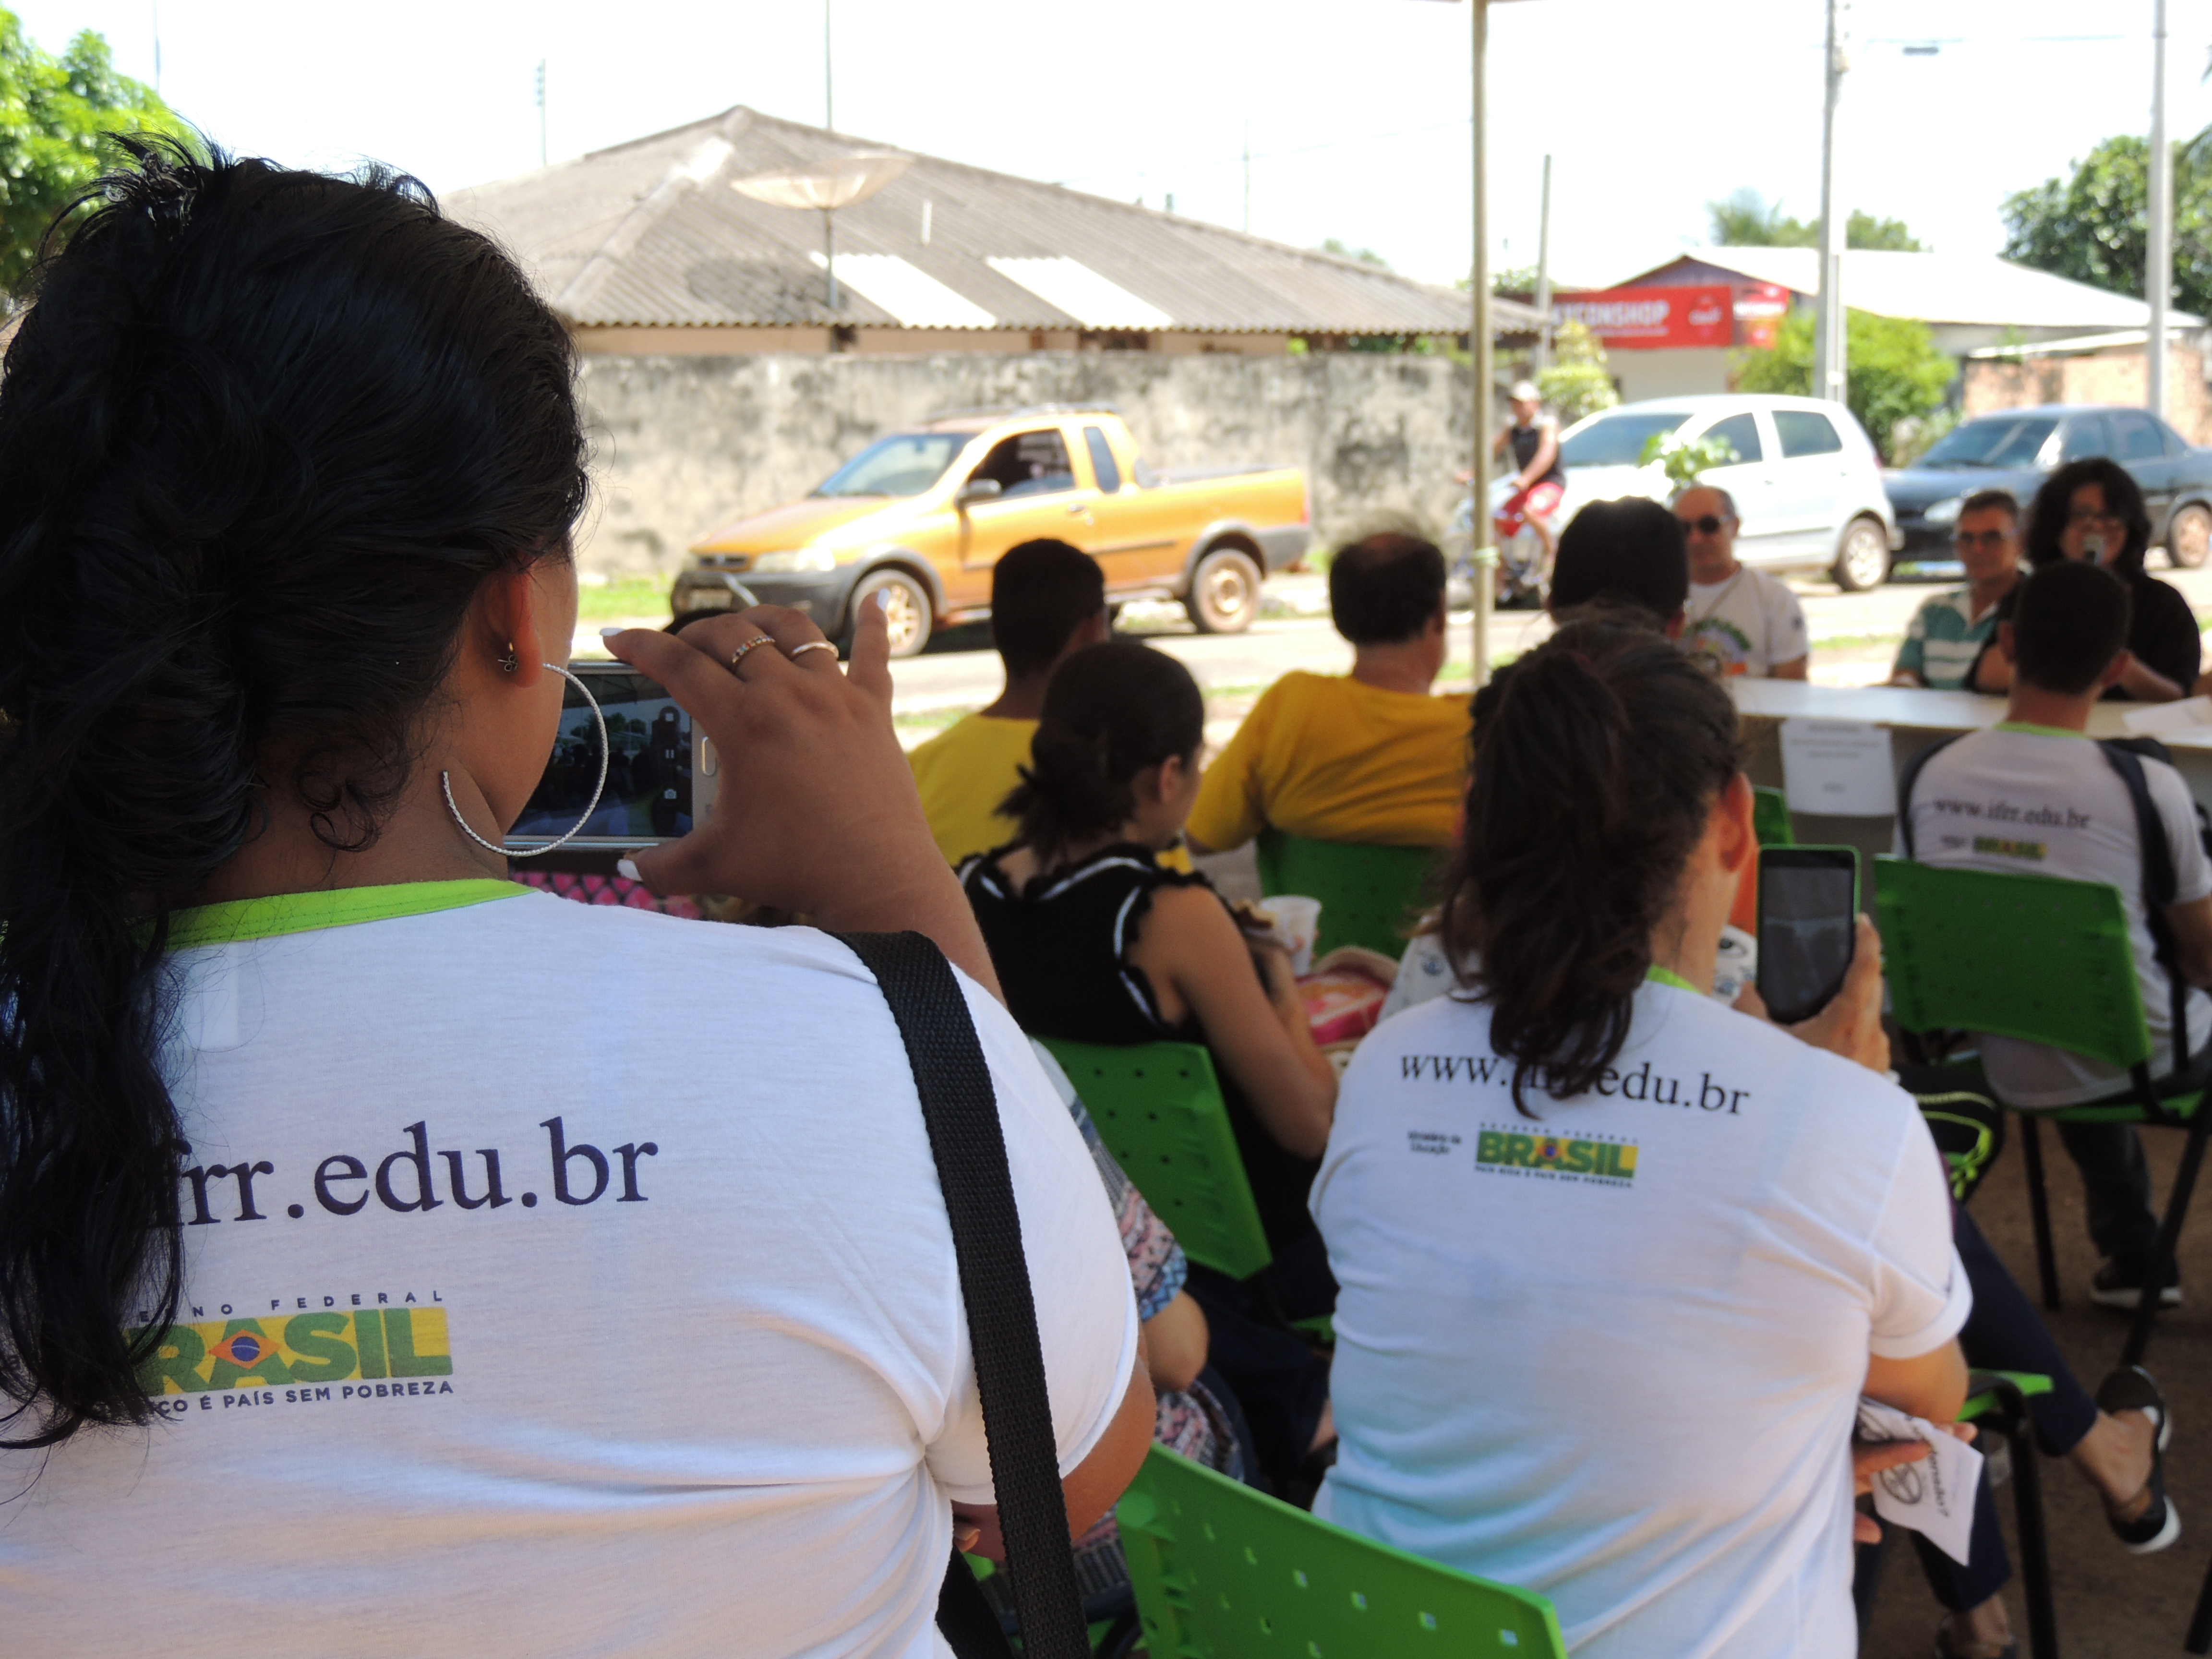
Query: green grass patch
{"points": [[1856, 641], [624, 596], [931, 719]]}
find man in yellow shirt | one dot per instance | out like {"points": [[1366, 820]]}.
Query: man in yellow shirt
{"points": [[1370, 756], [1047, 602]]}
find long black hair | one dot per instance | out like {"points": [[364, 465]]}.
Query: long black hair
{"points": [[2054, 505], [263, 435], [1110, 711], [1597, 765]]}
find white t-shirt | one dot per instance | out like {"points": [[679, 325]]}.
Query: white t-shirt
{"points": [[2048, 803], [702, 1388], [1613, 1354], [1745, 625]]}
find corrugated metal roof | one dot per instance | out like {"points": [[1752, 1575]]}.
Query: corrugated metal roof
{"points": [[649, 233], [1978, 290]]}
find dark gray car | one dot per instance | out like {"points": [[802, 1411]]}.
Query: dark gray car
{"points": [[2017, 449]]}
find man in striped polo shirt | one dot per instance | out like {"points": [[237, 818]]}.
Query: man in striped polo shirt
{"points": [[1948, 631]]}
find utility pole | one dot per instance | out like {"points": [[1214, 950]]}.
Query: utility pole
{"points": [[1543, 358], [829, 109], [2158, 250], [1479, 358], [1829, 355], [541, 111], [157, 47], [1247, 175]]}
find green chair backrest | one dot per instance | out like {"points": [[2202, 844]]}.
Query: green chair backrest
{"points": [[1770, 817], [2020, 956], [1158, 1109], [1222, 1572], [1368, 894]]}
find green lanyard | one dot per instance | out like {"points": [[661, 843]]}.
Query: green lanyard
{"points": [[1669, 976], [307, 913]]}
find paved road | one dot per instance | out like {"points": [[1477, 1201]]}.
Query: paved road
{"points": [[1854, 638]]}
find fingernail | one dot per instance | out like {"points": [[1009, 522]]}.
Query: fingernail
{"points": [[883, 599], [608, 632], [627, 869]]}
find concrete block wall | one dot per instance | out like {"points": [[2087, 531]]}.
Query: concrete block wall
{"points": [[684, 444]]}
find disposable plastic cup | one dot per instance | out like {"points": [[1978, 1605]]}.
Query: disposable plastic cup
{"points": [[1298, 919]]}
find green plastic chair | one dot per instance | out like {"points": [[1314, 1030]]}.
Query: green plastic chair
{"points": [[1368, 895], [1222, 1572], [1160, 1109], [1997, 1400], [1770, 818], [2046, 961]]}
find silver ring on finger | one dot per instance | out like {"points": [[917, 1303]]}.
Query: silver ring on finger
{"points": [[738, 655], [798, 651]]}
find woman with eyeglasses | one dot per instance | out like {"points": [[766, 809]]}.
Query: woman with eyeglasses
{"points": [[2093, 510]]}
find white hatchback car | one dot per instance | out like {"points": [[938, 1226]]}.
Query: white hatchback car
{"points": [[1806, 483]]}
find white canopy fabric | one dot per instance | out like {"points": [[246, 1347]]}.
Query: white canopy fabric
{"points": [[837, 182]]}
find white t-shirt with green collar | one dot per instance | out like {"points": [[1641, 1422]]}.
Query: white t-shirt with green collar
{"points": [[560, 1279], [1612, 1352], [2044, 801]]}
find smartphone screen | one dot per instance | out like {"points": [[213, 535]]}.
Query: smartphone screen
{"points": [[648, 793], [1807, 910]]}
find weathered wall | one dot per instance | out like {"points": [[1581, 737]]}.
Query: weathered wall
{"points": [[2116, 375], [684, 444]]}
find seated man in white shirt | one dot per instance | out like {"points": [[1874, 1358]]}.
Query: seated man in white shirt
{"points": [[1741, 621], [2059, 808]]}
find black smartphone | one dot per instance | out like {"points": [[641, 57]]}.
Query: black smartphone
{"points": [[1808, 905], [660, 768]]}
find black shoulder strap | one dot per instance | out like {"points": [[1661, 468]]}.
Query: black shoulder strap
{"points": [[960, 1109], [2159, 884], [1905, 780]]}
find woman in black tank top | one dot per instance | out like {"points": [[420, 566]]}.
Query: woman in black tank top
{"points": [[1095, 942]]}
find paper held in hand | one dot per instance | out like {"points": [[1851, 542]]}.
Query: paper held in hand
{"points": [[1934, 1497], [1840, 768]]}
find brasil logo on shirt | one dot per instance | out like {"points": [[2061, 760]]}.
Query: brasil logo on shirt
{"points": [[369, 1345], [1556, 1156]]}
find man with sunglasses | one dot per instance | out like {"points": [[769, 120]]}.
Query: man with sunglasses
{"points": [[1740, 621], [1949, 631]]}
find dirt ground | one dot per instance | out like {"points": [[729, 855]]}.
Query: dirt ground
{"points": [[2110, 1605]]}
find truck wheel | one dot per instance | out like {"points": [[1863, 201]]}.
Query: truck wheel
{"points": [[1863, 561], [906, 610], [1224, 592], [2189, 538]]}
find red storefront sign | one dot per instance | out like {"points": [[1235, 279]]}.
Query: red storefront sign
{"points": [[1759, 309], [1651, 319]]}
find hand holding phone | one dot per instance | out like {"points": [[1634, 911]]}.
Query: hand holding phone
{"points": [[1807, 898], [816, 808]]}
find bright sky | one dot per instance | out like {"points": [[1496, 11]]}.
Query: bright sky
{"points": [[1357, 110]]}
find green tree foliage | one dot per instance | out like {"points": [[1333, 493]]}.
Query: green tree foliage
{"points": [[1344, 250], [1576, 382], [1686, 460], [1896, 373], [1746, 220], [2093, 225], [54, 114]]}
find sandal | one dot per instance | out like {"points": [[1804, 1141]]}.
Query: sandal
{"points": [[2132, 1389], [1945, 1648]]}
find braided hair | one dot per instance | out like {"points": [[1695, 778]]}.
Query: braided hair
{"points": [[263, 435]]}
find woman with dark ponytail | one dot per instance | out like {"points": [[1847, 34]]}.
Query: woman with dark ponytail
{"points": [[1097, 942], [1617, 1260], [391, 1255]]}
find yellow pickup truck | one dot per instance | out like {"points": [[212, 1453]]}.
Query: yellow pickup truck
{"points": [[924, 514]]}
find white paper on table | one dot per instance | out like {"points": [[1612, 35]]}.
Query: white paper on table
{"points": [[1843, 769], [1934, 1497], [2189, 714]]}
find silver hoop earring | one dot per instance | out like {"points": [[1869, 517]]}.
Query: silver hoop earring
{"points": [[445, 783]]}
